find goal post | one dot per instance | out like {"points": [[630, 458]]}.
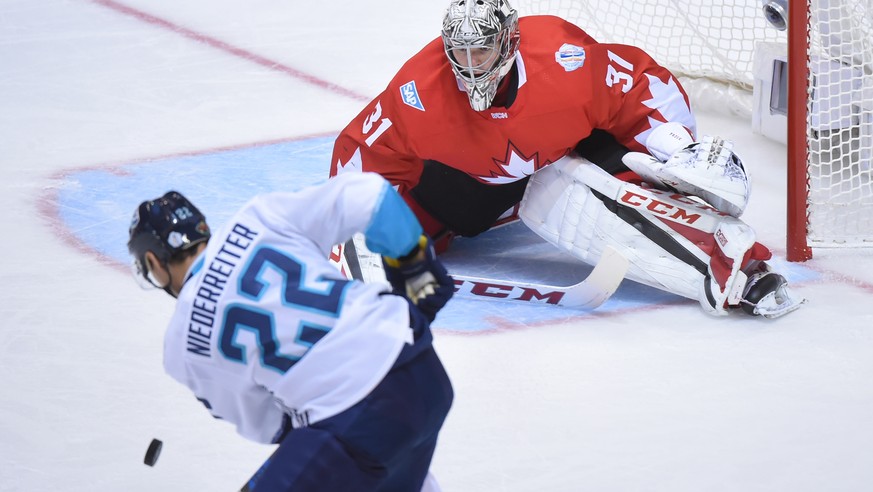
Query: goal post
{"points": [[826, 118], [830, 154], [797, 246]]}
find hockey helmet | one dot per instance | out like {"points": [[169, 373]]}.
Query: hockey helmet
{"points": [[165, 226], [480, 38]]}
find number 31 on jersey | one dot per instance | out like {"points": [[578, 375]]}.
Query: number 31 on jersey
{"points": [[383, 124]]}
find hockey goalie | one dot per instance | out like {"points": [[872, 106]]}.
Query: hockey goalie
{"points": [[594, 146]]}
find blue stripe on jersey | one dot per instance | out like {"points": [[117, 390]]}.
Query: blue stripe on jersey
{"points": [[394, 230]]}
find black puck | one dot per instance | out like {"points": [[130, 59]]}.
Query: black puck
{"points": [[152, 453]]}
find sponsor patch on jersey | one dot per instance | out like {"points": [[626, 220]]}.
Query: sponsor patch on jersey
{"points": [[410, 95], [570, 57]]}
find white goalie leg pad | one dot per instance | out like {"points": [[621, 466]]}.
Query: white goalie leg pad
{"points": [[726, 281], [703, 262], [708, 169], [562, 210]]}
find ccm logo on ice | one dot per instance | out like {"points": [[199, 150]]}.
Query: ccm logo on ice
{"points": [[410, 95]]}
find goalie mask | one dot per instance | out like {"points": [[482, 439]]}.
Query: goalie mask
{"points": [[480, 38], [166, 226]]}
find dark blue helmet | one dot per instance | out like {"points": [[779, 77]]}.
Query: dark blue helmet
{"points": [[166, 226]]}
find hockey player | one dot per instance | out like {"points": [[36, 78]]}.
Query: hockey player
{"points": [[270, 337], [470, 123]]}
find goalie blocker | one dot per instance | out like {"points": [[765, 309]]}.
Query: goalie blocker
{"points": [[673, 242]]}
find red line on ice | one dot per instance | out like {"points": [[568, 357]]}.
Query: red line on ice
{"points": [[230, 49]]}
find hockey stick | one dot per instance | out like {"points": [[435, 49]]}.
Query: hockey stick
{"points": [[600, 284], [590, 293]]}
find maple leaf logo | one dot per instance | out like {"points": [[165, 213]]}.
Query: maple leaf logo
{"points": [[514, 166], [352, 165], [668, 99]]}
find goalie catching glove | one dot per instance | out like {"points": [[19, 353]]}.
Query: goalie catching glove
{"points": [[707, 169], [421, 277]]}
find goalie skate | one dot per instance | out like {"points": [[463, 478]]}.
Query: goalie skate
{"points": [[767, 294]]}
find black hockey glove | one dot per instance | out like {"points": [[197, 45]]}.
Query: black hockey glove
{"points": [[421, 277]]}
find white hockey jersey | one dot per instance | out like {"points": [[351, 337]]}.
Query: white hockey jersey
{"points": [[267, 329]]}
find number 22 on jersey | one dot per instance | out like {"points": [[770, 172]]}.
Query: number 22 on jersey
{"points": [[298, 301]]}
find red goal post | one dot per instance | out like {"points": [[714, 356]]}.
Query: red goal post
{"points": [[827, 115]]}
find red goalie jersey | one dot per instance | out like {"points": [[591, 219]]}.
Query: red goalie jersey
{"points": [[460, 169]]}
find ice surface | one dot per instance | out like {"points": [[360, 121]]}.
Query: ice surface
{"points": [[103, 104]]}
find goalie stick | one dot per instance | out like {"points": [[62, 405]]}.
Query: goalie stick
{"points": [[354, 260], [590, 293]]}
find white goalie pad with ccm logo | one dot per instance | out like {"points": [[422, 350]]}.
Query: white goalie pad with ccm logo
{"points": [[667, 237]]}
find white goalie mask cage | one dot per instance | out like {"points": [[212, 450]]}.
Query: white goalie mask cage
{"points": [[480, 38]]}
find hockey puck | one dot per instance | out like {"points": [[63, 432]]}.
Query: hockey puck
{"points": [[152, 453]]}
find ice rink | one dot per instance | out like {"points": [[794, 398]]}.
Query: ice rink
{"points": [[103, 104]]}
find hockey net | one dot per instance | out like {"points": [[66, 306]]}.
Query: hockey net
{"points": [[711, 47]]}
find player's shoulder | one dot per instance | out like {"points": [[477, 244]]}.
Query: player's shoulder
{"points": [[553, 49], [422, 85], [546, 28], [553, 44], [429, 60], [542, 33], [613, 52]]}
